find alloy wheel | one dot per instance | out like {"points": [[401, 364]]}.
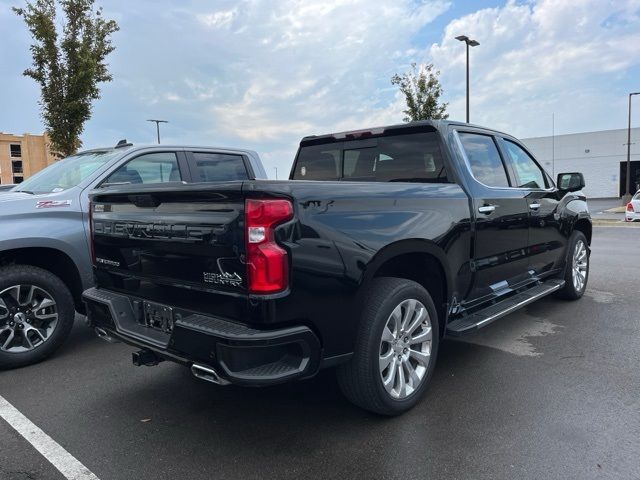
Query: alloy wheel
{"points": [[580, 265], [405, 348], [28, 317]]}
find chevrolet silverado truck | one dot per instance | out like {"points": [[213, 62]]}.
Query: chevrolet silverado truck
{"points": [[382, 242], [45, 263]]}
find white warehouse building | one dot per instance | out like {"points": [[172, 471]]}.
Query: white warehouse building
{"points": [[600, 156]]}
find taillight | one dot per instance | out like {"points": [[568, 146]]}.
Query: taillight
{"points": [[629, 207], [267, 263]]}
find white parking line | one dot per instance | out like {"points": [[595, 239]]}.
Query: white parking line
{"points": [[66, 463]]}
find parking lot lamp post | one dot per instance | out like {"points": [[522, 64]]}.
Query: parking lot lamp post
{"points": [[470, 43], [627, 196], [158, 122]]}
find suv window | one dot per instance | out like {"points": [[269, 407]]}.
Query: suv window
{"points": [[529, 174], [484, 159], [394, 158], [159, 167], [217, 167]]}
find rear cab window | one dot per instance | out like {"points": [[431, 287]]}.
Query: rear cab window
{"points": [[408, 157]]}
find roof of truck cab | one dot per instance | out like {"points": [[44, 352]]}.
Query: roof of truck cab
{"points": [[437, 124], [132, 148]]}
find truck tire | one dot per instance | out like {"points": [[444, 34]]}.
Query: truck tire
{"points": [[576, 272], [396, 348], [36, 315]]}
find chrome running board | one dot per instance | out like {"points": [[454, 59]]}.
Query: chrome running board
{"points": [[470, 323]]}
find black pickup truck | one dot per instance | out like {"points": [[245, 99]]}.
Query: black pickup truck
{"points": [[382, 242]]}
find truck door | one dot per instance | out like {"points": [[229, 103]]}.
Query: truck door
{"points": [[499, 258], [546, 241]]}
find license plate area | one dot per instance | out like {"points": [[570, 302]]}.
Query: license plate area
{"points": [[157, 316]]}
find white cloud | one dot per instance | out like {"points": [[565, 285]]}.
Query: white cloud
{"points": [[263, 74], [217, 19], [543, 57], [309, 67]]}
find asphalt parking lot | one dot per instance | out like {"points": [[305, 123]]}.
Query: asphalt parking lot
{"points": [[552, 392]]}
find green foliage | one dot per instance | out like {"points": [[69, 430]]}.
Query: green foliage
{"points": [[422, 90], [68, 64]]}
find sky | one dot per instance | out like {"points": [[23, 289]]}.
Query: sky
{"points": [[262, 74]]}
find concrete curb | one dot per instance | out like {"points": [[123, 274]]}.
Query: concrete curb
{"points": [[620, 209], [601, 222]]}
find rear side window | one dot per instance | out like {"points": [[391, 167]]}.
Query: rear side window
{"points": [[217, 167], [484, 159], [150, 168], [398, 158]]}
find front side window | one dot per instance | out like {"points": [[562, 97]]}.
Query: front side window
{"points": [[529, 173], [484, 159], [160, 167], [218, 167]]}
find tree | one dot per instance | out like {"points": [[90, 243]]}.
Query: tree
{"points": [[422, 90], [68, 64]]}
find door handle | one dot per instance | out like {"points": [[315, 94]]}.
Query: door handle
{"points": [[534, 206], [486, 209]]}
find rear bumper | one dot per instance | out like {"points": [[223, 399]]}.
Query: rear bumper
{"points": [[240, 354], [632, 216]]}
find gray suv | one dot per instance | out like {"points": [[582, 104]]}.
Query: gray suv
{"points": [[44, 243]]}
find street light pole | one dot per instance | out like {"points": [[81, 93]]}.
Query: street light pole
{"points": [[627, 196], [553, 145], [276, 169], [158, 122], [472, 43]]}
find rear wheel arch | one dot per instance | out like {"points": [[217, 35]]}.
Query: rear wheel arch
{"points": [[52, 260], [420, 261]]}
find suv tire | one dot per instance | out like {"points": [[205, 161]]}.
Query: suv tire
{"points": [[36, 315]]}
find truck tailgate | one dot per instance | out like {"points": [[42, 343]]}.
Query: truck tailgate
{"points": [[168, 243]]}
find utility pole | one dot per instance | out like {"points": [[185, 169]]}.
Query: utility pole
{"points": [[276, 169], [553, 145], [158, 122], [472, 43], [627, 196]]}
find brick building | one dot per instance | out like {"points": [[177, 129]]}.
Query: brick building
{"points": [[22, 155]]}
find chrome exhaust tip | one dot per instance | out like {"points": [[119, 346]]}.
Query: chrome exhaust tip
{"points": [[104, 335], [207, 374]]}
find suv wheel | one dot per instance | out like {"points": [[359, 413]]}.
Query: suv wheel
{"points": [[396, 348], [577, 269], [36, 315]]}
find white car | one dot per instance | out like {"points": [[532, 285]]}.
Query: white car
{"points": [[632, 213]]}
